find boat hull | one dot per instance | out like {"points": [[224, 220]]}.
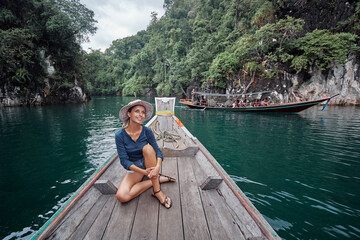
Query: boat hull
{"points": [[286, 107]]}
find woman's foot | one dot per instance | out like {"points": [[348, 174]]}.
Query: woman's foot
{"points": [[164, 200], [164, 179]]}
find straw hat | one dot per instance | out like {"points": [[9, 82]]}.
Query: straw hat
{"points": [[149, 109]]}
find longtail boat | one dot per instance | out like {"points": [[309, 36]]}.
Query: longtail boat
{"points": [[207, 204], [281, 107]]}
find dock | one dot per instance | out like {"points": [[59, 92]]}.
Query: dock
{"points": [[207, 204]]}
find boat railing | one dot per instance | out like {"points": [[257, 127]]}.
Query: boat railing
{"points": [[187, 101]]}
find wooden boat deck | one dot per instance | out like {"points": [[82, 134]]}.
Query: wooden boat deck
{"points": [[195, 214], [221, 212]]}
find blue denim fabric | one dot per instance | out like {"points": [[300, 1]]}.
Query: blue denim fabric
{"points": [[139, 163]]}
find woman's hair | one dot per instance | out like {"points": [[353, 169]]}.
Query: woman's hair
{"points": [[126, 123]]}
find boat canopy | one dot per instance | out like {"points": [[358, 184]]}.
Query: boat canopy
{"points": [[229, 95]]}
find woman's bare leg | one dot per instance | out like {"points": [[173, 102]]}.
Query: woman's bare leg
{"points": [[131, 186], [150, 161]]}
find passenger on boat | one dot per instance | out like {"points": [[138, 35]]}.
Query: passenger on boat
{"points": [[241, 103], [264, 102], [236, 104], [139, 154], [202, 101]]}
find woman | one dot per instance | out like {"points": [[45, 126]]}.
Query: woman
{"points": [[139, 154]]}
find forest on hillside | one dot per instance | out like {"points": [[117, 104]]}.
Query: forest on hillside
{"points": [[217, 45], [36, 34], [225, 44]]}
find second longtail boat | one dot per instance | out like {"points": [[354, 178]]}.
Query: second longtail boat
{"points": [[280, 107]]}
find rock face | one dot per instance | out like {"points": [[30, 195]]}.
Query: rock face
{"points": [[41, 95], [313, 85], [16, 96], [344, 80]]}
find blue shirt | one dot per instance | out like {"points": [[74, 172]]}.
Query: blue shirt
{"points": [[130, 151]]}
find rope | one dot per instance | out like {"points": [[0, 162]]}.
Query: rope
{"points": [[165, 135]]}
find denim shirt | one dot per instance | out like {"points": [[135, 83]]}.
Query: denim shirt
{"points": [[130, 151]]}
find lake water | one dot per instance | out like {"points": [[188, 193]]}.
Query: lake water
{"points": [[301, 171]]}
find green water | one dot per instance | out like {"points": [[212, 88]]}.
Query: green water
{"points": [[302, 171]]}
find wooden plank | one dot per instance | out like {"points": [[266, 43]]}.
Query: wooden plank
{"points": [[170, 220], [194, 221], [115, 173], [146, 218], [260, 221], [246, 223], [244, 220], [121, 221], [171, 152], [89, 219], [55, 221], [98, 228], [222, 224], [68, 225], [169, 144]]}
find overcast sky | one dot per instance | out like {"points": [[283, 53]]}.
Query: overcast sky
{"points": [[119, 19]]}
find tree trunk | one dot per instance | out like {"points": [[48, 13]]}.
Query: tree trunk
{"points": [[177, 80], [252, 80]]}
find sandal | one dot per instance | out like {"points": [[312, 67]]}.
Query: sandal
{"points": [[170, 179], [165, 201]]}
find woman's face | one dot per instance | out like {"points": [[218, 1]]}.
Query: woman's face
{"points": [[137, 114]]}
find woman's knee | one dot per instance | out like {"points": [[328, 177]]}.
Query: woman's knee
{"points": [[148, 150], [122, 197]]}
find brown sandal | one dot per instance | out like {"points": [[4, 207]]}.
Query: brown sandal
{"points": [[170, 179], [165, 201]]}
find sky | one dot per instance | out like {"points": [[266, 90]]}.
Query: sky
{"points": [[119, 18]]}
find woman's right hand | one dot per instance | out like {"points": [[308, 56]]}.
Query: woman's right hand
{"points": [[150, 172], [147, 171]]}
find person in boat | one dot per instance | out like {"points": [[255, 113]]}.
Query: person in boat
{"points": [[202, 101], [236, 104], [264, 102], [241, 103], [193, 93], [139, 154]]}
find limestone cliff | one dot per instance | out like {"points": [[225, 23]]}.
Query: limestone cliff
{"points": [[44, 93], [312, 85]]}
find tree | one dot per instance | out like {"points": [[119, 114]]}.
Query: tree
{"points": [[32, 31]]}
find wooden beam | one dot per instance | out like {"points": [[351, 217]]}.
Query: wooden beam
{"points": [[211, 183], [105, 186]]}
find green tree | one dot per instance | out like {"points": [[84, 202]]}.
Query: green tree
{"points": [[33, 30], [321, 48]]}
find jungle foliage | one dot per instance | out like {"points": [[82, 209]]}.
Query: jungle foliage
{"points": [[32, 30], [214, 42]]}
